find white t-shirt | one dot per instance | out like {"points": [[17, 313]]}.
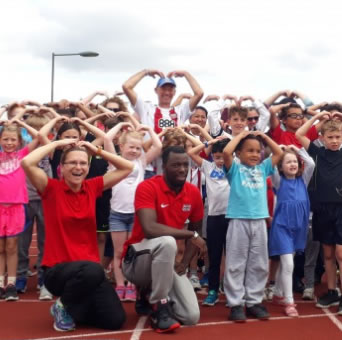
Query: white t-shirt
{"points": [[146, 112], [123, 193], [218, 188]]}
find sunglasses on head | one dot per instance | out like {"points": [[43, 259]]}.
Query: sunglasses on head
{"points": [[114, 109], [295, 115], [256, 118]]}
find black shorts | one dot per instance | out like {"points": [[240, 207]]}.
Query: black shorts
{"points": [[327, 223]]}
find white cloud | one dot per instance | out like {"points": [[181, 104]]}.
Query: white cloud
{"points": [[242, 47]]}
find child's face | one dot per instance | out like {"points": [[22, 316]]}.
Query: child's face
{"points": [[294, 119], [252, 119], [250, 153], [332, 140], [289, 165], [218, 159], [131, 149], [237, 124], [9, 141]]}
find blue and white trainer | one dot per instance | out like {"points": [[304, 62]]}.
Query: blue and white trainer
{"points": [[21, 284], [63, 320], [211, 299]]}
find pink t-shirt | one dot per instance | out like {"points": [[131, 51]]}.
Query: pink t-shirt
{"points": [[12, 177]]}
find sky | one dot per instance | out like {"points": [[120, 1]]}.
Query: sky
{"points": [[242, 47]]}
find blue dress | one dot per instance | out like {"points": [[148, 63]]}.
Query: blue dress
{"points": [[291, 218]]}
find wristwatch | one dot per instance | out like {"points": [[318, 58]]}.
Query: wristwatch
{"points": [[196, 235]]}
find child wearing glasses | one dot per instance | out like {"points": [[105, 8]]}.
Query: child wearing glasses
{"points": [[292, 116]]}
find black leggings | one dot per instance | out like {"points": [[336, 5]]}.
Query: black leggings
{"points": [[86, 294], [216, 241]]}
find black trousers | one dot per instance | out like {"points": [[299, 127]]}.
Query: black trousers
{"points": [[216, 240], [86, 294]]}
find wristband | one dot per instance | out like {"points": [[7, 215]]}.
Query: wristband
{"points": [[205, 144], [196, 235], [99, 150]]}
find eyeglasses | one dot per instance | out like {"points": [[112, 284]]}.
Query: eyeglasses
{"points": [[114, 109], [256, 118], [73, 164], [295, 115]]}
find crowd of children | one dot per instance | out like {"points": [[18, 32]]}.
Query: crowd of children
{"points": [[242, 152]]}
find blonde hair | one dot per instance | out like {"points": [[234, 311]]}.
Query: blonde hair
{"points": [[331, 126], [130, 134], [37, 122]]}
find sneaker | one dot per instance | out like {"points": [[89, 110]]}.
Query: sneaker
{"points": [[308, 294], [269, 292], [162, 320], [63, 321], [278, 300], [194, 280], [329, 299], [211, 299], [44, 294], [258, 311], [120, 290], [290, 310], [237, 314], [40, 282], [130, 294], [2, 293], [204, 281], [11, 293], [21, 284], [339, 311]]}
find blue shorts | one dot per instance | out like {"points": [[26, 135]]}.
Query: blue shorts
{"points": [[120, 221]]}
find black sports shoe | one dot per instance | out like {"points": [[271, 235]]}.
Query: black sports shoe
{"points": [[329, 299], [2, 293], [339, 311], [162, 319], [11, 293], [258, 311], [237, 314]]}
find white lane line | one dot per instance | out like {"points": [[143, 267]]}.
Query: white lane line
{"points": [[334, 319], [139, 328], [101, 334]]}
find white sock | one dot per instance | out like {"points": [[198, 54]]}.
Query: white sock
{"points": [[11, 280], [2, 281]]}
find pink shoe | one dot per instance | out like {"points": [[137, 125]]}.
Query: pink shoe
{"points": [[278, 300], [120, 290], [290, 310], [130, 294]]}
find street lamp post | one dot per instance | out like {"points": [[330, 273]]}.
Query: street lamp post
{"points": [[82, 54]]}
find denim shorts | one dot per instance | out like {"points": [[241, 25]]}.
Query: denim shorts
{"points": [[120, 221]]}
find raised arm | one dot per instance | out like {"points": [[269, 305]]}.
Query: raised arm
{"points": [[98, 133], [33, 132], [269, 101], [129, 85], [228, 151], [198, 92], [303, 130], [309, 164], [111, 134], [274, 110], [180, 98], [156, 147], [277, 152], [36, 175], [90, 97], [123, 167]]}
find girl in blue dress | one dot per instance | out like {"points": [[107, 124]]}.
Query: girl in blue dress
{"points": [[291, 219]]}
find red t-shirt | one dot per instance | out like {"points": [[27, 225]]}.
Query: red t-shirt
{"points": [[287, 137], [70, 222], [172, 209]]}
